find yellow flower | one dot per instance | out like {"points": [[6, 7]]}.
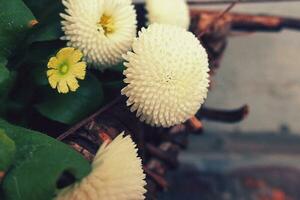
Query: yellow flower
{"points": [[64, 68]]}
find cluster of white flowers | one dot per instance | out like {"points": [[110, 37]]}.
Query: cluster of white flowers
{"points": [[167, 72], [104, 29], [166, 76]]}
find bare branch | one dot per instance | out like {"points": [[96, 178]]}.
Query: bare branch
{"points": [[220, 2], [87, 120]]}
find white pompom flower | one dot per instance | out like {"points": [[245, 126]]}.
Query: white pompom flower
{"points": [[166, 75], [172, 12], [116, 174], [102, 29]]}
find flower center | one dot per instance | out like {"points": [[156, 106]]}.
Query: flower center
{"points": [[63, 69], [107, 24]]}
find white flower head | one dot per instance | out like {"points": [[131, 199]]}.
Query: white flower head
{"points": [[167, 75], [116, 174], [173, 12], [102, 29]]}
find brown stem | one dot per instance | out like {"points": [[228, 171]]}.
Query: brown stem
{"points": [[104, 136], [195, 123], [2, 174], [217, 18], [217, 2], [86, 154], [87, 120], [169, 158], [230, 116], [157, 178], [243, 22]]}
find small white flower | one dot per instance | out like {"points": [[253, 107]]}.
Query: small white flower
{"points": [[167, 75], [173, 12], [102, 29], [116, 174]]}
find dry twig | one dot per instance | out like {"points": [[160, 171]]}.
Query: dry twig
{"points": [[217, 18], [87, 120], [219, 2]]}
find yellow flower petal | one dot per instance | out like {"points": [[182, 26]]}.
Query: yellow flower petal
{"points": [[65, 53], [75, 57], [62, 86], [64, 68], [79, 70], [53, 63], [50, 72], [73, 84], [53, 80]]}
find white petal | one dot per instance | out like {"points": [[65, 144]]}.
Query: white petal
{"points": [[81, 28], [116, 174], [166, 75], [172, 12]]}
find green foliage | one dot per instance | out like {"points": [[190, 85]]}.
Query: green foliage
{"points": [[72, 107], [15, 18], [39, 162], [6, 81], [45, 31], [47, 14], [4, 78], [7, 151], [43, 9], [23, 65], [34, 162]]}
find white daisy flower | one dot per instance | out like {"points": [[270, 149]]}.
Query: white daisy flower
{"points": [[167, 75], [173, 12], [102, 29], [116, 174]]}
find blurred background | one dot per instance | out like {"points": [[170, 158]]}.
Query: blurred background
{"points": [[258, 158]]}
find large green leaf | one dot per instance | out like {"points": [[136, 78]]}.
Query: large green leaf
{"points": [[47, 13], [15, 18], [7, 151], [74, 106], [43, 9], [45, 31], [39, 163]]}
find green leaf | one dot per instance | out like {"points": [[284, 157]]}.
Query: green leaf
{"points": [[44, 8], [37, 58], [7, 151], [45, 31], [39, 53], [74, 106], [117, 68], [39, 163], [6, 81], [47, 13], [4, 77], [114, 85], [15, 18]]}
